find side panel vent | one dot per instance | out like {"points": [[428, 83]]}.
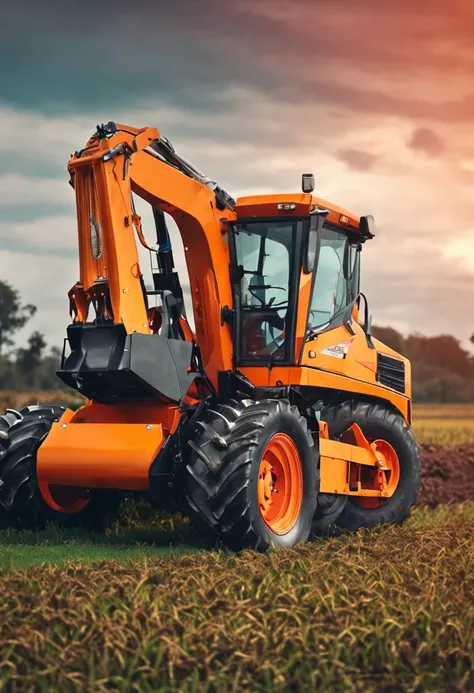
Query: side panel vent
{"points": [[391, 372]]}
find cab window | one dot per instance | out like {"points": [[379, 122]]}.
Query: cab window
{"points": [[336, 283], [264, 253]]}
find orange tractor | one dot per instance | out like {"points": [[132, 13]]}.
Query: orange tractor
{"points": [[278, 417]]}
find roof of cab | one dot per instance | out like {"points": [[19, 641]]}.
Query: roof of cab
{"points": [[267, 206]]}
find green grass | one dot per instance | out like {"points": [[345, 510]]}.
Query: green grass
{"points": [[123, 543], [25, 551], [382, 611]]}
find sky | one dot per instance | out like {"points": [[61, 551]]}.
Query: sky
{"points": [[376, 98]]}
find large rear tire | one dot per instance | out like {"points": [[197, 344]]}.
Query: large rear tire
{"points": [[21, 504], [383, 423], [251, 475], [6, 421]]}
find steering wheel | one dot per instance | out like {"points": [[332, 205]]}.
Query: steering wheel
{"points": [[259, 287]]}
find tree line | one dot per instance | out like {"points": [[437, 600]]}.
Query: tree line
{"points": [[442, 371], [34, 366]]}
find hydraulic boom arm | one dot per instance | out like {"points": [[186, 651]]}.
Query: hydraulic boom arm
{"points": [[117, 161]]}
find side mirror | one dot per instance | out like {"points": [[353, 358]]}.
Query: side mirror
{"points": [[316, 222], [367, 227]]}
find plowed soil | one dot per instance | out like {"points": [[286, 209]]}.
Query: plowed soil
{"points": [[447, 474]]}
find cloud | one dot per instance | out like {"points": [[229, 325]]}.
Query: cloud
{"points": [[33, 136], [427, 142], [46, 235], [357, 160], [416, 287], [365, 57], [16, 189]]}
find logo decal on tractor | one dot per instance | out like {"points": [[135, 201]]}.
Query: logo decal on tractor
{"points": [[339, 351]]}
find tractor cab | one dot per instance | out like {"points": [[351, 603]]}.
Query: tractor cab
{"points": [[295, 267]]}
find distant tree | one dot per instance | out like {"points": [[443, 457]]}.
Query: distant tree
{"points": [[434, 384], [46, 375], [29, 360], [13, 314], [389, 337], [7, 375], [448, 387], [443, 351]]}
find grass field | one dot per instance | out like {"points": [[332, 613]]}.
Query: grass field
{"points": [[57, 547], [388, 610], [140, 532], [18, 400], [147, 608], [447, 424]]}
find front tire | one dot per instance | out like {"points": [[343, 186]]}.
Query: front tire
{"points": [[21, 504], [384, 423], [251, 475]]}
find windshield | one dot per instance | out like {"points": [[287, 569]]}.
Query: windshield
{"points": [[336, 283], [264, 258]]}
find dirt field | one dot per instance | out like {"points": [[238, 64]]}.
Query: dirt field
{"points": [[446, 437], [447, 474]]}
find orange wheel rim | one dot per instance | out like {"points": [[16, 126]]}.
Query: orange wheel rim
{"points": [[384, 478], [280, 484]]}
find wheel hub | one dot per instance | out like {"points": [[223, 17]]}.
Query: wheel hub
{"points": [[265, 486], [280, 484], [383, 478]]}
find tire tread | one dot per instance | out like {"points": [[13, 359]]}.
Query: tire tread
{"points": [[396, 509], [219, 468]]}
